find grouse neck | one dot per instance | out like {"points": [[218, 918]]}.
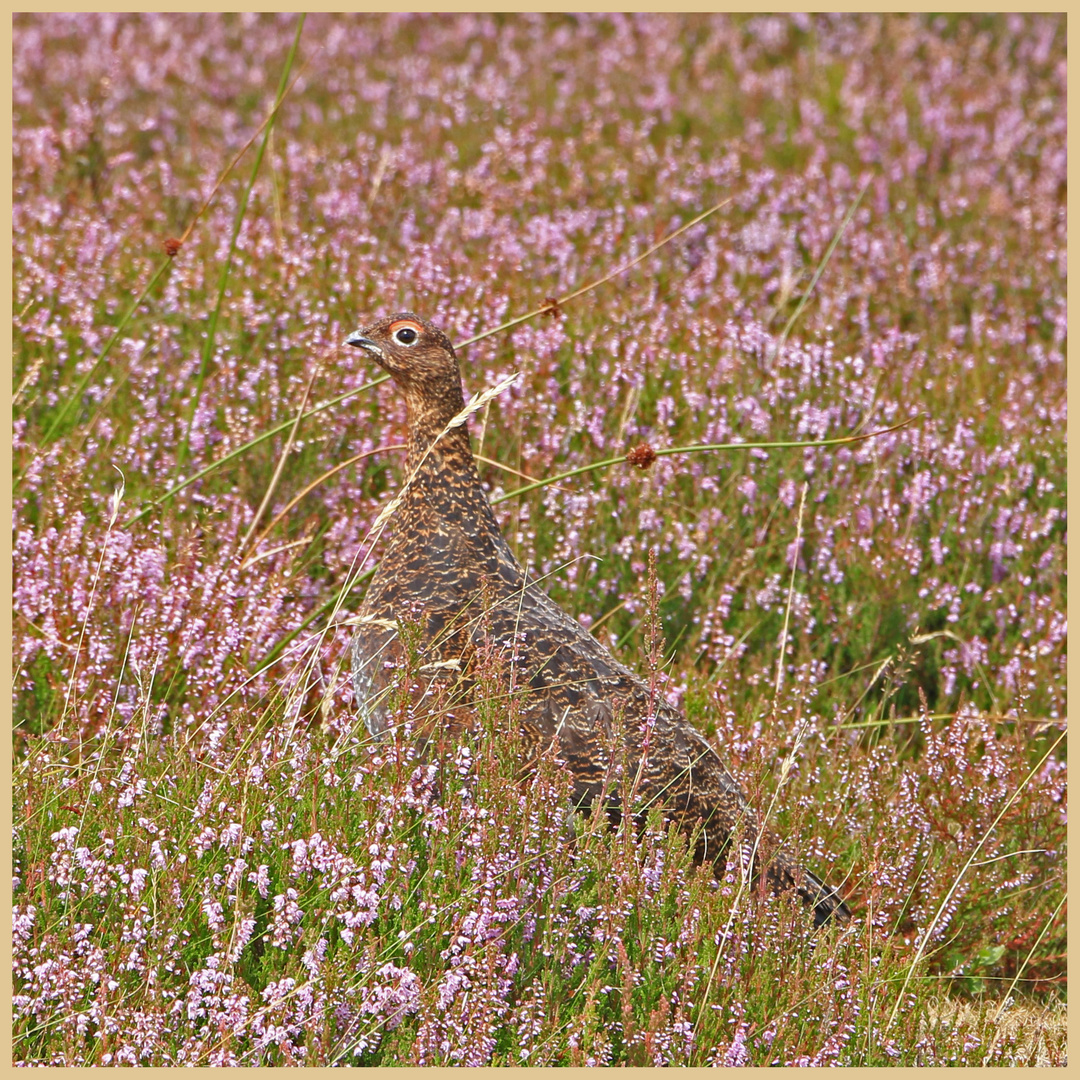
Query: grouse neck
{"points": [[445, 495], [438, 454]]}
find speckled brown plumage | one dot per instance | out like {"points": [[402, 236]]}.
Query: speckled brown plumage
{"points": [[449, 574]]}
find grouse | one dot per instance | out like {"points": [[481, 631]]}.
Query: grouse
{"points": [[448, 582]]}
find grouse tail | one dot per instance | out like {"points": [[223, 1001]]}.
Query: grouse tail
{"points": [[828, 906]]}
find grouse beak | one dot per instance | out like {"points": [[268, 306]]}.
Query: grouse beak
{"points": [[358, 341]]}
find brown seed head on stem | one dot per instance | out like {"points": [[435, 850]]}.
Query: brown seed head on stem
{"points": [[641, 456]]}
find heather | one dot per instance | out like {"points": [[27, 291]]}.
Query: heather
{"points": [[212, 863]]}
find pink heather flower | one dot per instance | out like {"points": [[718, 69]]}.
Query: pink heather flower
{"points": [[138, 882], [736, 1055], [204, 841], [261, 880], [23, 923], [213, 911]]}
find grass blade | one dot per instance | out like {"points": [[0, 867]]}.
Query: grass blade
{"points": [[330, 403], [223, 280], [607, 463], [233, 454], [959, 877], [282, 457], [117, 334], [316, 483], [805, 298], [550, 306], [699, 448], [122, 326]]}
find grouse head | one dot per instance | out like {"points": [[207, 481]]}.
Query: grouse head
{"points": [[418, 355]]}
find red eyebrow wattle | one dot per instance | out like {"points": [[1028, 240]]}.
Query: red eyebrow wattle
{"points": [[394, 326]]}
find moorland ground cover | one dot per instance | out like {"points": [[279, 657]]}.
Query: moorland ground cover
{"points": [[211, 863]]}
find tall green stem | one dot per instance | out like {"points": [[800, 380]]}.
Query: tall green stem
{"points": [[223, 280]]}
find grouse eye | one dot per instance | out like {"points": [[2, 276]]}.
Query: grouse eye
{"points": [[405, 336]]}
